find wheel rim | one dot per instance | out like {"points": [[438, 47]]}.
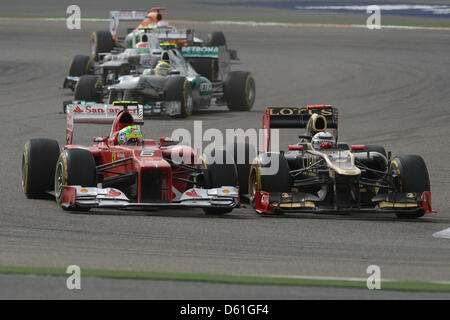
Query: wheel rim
{"points": [[251, 92], [253, 185], [189, 103], [59, 180], [92, 44], [24, 172]]}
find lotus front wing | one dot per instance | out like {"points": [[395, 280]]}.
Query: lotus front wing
{"points": [[283, 202]]}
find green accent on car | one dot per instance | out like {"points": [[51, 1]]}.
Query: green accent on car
{"points": [[203, 85], [200, 52]]}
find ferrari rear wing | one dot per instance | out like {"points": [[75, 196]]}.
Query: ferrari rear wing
{"points": [[99, 114], [314, 118]]}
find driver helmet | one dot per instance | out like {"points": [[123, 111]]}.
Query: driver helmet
{"points": [[323, 140], [130, 135], [163, 68]]}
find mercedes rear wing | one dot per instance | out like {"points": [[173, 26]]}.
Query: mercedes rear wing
{"points": [[99, 114], [219, 56], [314, 118]]}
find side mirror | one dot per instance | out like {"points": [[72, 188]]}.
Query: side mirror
{"points": [[175, 72], [166, 141], [100, 139]]}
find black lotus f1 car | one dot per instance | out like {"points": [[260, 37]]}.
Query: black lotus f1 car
{"points": [[343, 178]]}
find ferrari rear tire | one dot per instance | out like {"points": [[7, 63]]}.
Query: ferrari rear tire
{"points": [[179, 88], [220, 173], [89, 88], [74, 167], [81, 65], [413, 177], [239, 90], [38, 167], [100, 42]]}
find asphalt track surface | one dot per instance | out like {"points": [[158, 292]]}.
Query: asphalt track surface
{"points": [[391, 87]]}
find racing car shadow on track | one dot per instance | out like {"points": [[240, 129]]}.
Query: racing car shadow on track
{"points": [[350, 217], [162, 213]]}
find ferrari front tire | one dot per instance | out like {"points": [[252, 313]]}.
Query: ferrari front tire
{"points": [[75, 167], [38, 167], [222, 172]]}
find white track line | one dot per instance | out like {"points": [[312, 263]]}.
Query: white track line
{"points": [[252, 23], [442, 234]]}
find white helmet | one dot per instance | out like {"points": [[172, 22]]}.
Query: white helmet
{"points": [[322, 137]]}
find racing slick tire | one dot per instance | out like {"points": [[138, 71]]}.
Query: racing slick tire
{"points": [[239, 91], [218, 174], [74, 167], [217, 39], [81, 65], [89, 88], [38, 167], [413, 177], [243, 164], [100, 42], [277, 182], [208, 68], [178, 88]]}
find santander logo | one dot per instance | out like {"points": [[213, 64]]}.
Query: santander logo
{"points": [[192, 194], [112, 193]]}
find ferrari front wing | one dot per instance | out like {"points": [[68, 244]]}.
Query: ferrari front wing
{"points": [[83, 197]]}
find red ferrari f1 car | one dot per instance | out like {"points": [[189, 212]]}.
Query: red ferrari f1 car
{"points": [[318, 174], [125, 174]]}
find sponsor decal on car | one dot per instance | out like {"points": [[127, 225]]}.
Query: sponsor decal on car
{"points": [[210, 52]]}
